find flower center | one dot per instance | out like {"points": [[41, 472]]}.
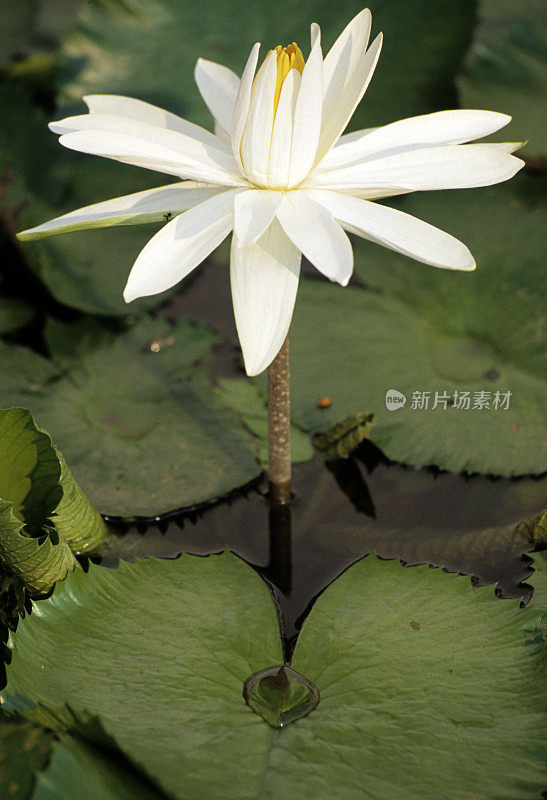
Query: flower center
{"points": [[288, 58]]}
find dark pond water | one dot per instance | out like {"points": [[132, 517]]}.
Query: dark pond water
{"points": [[346, 509]]}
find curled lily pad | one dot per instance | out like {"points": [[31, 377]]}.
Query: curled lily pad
{"points": [[44, 515]]}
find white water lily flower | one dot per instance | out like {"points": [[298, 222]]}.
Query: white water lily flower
{"points": [[280, 174]]}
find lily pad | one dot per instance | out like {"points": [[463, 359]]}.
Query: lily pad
{"points": [[418, 673], [138, 423], [506, 70], [246, 401], [185, 634], [417, 329]]}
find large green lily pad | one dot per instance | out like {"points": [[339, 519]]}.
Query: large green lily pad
{"points": [[184, 635], [150, 52], [506, 69], [418, 674], [136, 420], [421, 329]]}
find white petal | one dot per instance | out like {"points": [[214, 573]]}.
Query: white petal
{"points": [[222, 134], [451, 167], [255, 142], [397, 230], [132, 209], [218, 86], [264, 278], [343, 58], [254, 211], [280, 147], [155, 148], [307, 117], [180, 246], [337, 115], [119, 106], [313, 230], [428, 130], [243, 100], [315, 33]]}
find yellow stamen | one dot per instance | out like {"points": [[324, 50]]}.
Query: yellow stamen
{"points": [[288, 58]]}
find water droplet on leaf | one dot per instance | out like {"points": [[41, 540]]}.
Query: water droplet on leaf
{"points": [[280, 695]]}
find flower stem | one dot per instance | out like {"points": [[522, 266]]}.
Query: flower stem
{"points": [[279, 427]]}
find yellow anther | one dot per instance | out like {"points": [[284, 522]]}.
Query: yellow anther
{"points": [[288, 58]]}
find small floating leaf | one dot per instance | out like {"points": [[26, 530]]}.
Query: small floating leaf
{"points": [[534, 530], [345, 436], [280, 695]]}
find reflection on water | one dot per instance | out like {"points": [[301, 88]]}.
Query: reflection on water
{"points": [[346, 509]]}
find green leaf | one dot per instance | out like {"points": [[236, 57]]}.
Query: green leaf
{"points": [[342, 439], [138, 423], [36, 485], [75, 518], [418, 674], [14, 314], [29, 468], [245, 400], [506, 70], [37, 562], [421, 329], [534, 530], [24, 749], [185, 634], [78, 769]]}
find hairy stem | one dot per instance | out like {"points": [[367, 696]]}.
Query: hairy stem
{"points": [[279, 427]]}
